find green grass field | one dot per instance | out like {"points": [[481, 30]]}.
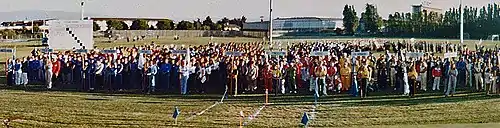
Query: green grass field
{"points": [[39, 108]]}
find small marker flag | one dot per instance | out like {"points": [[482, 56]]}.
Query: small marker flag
{"points": [[305, 119], [176, 113]]}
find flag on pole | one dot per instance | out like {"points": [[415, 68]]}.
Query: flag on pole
{"points": [[176, 113], [305, 119]]}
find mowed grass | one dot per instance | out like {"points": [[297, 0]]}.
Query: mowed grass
{"points": [[75, 109], [41, 108]]}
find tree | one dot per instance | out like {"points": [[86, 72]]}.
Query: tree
{"points": [[350, 19], [219, 27], [139, 25], [7, 33], [208, 22], [124, 25], [371, 19], [36, 28], [243, 21], [198, 25], [204, 27], [165, 24], [185, 25], [96, 26], [114, 24]]}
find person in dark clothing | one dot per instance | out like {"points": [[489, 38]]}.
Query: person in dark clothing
{"points": [[174, 78], [164, 75], [126, 74]]}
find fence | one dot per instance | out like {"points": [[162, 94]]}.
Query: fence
{"points": [[186, 33]]}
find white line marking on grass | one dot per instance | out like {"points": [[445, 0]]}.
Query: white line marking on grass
{"points": [[253, 116], [210, 107], [313, 113], [199, 113]]}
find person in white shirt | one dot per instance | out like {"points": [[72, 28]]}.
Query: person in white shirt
{"points": [[48, 73], [99, 74], [184, 71]]}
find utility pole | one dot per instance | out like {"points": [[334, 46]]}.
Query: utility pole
{"points": [[82, 9], [270, 21], [461, 23]]}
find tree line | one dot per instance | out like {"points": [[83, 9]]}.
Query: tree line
{"points": [[479, 23], [167, 24]]}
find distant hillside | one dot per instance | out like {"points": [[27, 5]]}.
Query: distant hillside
{"points": [[39, 14]]}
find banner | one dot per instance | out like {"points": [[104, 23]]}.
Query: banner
{"points": [[450, 55], [179, 51], [320, 53], [7, 50], [46, 50], [414, 54], [233, 53], [276, 53], [108, 51], [356, 54], [146, 51], [81, 51]]}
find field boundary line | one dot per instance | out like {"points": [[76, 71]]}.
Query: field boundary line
{"points": [[253, 116], [208, 108]]}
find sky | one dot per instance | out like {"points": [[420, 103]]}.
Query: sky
{"points": [[252, 9]]}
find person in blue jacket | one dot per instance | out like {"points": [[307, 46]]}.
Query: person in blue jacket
{"points": [[165, 68]]}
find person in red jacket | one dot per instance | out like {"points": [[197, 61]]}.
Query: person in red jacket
{"points": [[268, 78], [436, 73], [331, 72]]}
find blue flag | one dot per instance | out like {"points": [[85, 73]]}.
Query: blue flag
{"points": [[305, 119], [176, 113]]}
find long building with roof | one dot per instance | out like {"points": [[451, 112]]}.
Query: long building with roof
{"points": [[297, 26]]}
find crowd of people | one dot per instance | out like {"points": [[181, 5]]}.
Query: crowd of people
{"points": [[321, 68]]}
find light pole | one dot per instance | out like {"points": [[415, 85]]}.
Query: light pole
{"points": [[82, 9], [461, 23], [270, 21]]}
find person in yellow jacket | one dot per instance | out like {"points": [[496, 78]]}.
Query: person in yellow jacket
{"points": [[345, 76], [412, 78], [364, 74]]}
